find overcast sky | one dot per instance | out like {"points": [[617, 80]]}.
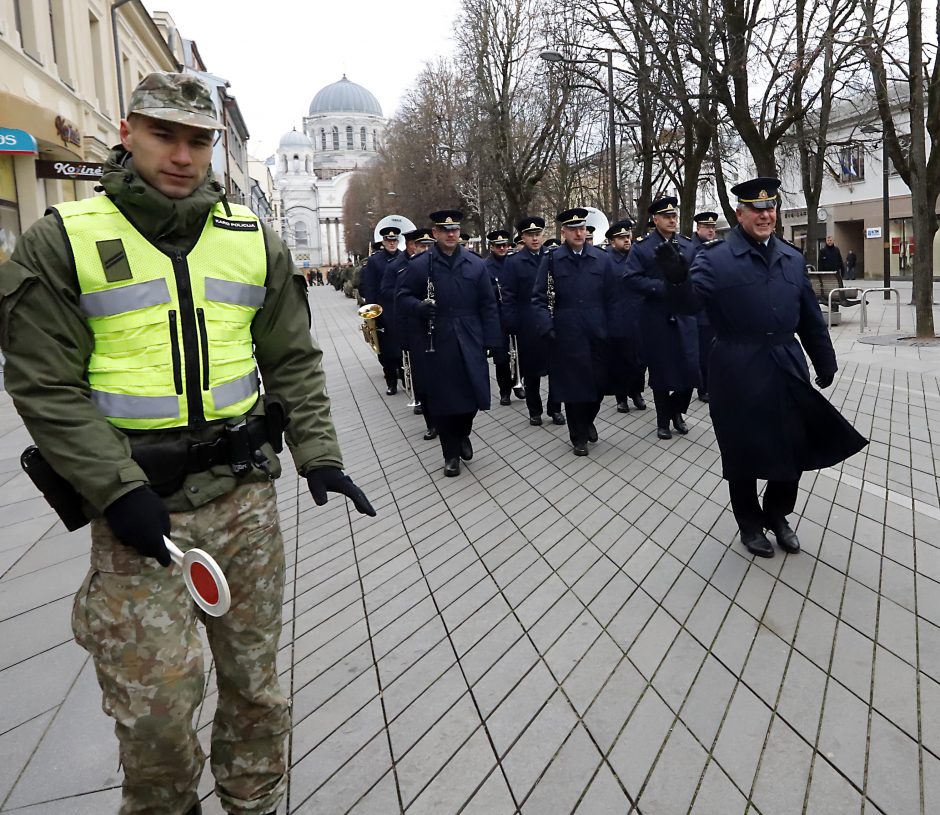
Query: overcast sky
{"points": [[278, 53]]}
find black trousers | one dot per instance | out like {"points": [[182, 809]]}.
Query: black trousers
{"points": [[391, 366], [452, 430], [425, 410], [581, 416], [779, 500], [706, 338], [669, 403], [533, 396], [503, 377], [634, 383]]}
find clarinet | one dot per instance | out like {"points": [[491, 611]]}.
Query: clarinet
{"points": [[430, 348], [550, 291]]}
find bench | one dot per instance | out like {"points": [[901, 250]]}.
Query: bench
{"points": [[824, 283]]}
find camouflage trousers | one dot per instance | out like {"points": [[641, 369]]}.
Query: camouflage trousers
{"points": [[138, 622]]}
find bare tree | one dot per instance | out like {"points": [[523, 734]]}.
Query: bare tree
{"points": [[908, 71]]}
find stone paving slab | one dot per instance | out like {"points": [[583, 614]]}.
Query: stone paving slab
{"points": [[551, 634]]}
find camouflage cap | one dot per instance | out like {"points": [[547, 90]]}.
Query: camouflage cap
{"points": [[175, 98]]}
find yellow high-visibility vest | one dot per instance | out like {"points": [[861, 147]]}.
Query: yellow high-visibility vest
{"points": [[172, 332]]}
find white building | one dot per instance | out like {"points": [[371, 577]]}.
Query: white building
{"points": [[341, 133]]}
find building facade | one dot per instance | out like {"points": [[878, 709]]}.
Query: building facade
{"points": [[341, 132], [61, 98]]}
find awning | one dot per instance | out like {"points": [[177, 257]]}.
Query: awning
{"points": [[17, 141]]}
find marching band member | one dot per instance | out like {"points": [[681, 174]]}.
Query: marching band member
{"points": [[498, 241], [705, 223], [369, 286]]}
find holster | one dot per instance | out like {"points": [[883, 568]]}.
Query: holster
{"points": [[64, 499]]}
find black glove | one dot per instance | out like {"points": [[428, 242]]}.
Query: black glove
{"points": [[674, 266], [140, 519], [427, 310], [331, 479], [824, 380]]}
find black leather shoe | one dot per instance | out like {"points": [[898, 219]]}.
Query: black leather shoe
{"points": [[623, 407], [535, 420], [451, 467], [639, 402], [580, 449], [559, 418], [786, 537], [663, 433], [703, 396], [679, 424], [757, 544], [418, 410], [504, 399], [519, 392], [195, 809], [466, 449], [391, 390], [592, 434], [431, 434]]}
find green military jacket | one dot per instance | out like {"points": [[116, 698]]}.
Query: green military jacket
{"points": [[47, 343]]}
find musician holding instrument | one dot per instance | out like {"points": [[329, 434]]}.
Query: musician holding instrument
{"points": [[132, 324], [448, 291], [670, 341], [498, 242], [370, 289], [519, 273], [571, 299]]}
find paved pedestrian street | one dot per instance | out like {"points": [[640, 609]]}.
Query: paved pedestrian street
{"points": [[550, 634]]}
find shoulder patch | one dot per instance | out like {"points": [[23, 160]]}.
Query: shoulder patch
{"points": [[712, 242], [639, 238]]}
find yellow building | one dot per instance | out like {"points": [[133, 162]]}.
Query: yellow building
{"points": [[66, 69]]}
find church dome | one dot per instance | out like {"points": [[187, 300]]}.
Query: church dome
{"points": [[345, 97], [293, 138]]}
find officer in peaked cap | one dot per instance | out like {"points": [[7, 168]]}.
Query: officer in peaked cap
{"points": [[370, 283], [551, 243], [705, 227], [670, 341], [498, 241], [572, 296], [626, 368], [769, 421], [519, 316], [448, 293], [136, 367]]}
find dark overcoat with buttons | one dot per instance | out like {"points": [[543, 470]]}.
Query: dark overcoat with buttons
{"points": [[626, 350], [670, 339], [516, 284], [455, 377], [584, 287], [495, 267], [769, 420], [390, 338], [370, 288]]}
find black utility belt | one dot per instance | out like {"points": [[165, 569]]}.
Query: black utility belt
{"points": [[238, 447]]}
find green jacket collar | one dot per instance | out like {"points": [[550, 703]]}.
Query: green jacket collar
{"points": [[174, 222]]}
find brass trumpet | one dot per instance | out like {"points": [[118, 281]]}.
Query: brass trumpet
{"points": [[370, 331]]}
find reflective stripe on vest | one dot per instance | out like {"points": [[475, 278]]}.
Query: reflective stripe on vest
{"points": [[173, 338]]}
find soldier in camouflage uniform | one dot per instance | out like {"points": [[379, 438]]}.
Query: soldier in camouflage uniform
{"points": [[205, 473]]}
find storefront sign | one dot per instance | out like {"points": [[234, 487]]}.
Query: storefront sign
{"points": [[17, 141], [873, 232], [72, 170], [67, 131]]}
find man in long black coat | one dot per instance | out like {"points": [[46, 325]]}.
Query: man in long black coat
{"points": [[370, 290], [519, 318], [769, 421], [571, 298], [498, 241], [705, 227], [456, 322], [626, 368], [670, 340]]}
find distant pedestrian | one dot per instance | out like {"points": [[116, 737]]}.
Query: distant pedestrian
{"points": [[850, 263], [830, 258]]}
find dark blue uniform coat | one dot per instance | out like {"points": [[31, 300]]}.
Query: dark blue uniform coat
{"points": [[456, 377], [670, 340], [585, 287], [626, 355], [769, 420], [371, 289], [494, 268], [518, 315]]}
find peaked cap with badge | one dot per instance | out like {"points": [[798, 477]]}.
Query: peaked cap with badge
{"points": [[667, 205], [619, 229], [706, 218], [446, 218], [574, 217], [757, 193], [530, 223], [498, 237]]}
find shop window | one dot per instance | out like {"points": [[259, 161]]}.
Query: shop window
{"points": [[9, 212]]}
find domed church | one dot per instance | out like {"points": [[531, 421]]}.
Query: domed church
{"points": [[341, 133]]}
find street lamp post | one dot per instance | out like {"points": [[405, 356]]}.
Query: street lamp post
{"points": [[553, 56], [885, 209]]}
